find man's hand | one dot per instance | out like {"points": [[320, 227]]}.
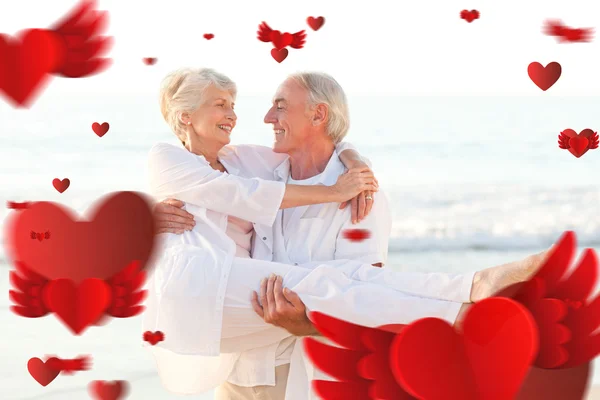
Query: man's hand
{"points": [[362, 204], [282, 307], [170, 218]]}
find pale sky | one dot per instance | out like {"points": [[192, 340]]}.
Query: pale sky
{"points": [[371, 47]]}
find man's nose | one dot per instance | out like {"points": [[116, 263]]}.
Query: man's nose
{"points": [[269, 118]]}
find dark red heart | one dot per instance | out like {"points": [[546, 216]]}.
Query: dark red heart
{"points": [[469, 16], [544, 77], [104, 390], [280, 41], [100, 130], [77, 306], [41, 372], [39, 236], [279, 55], [149, 61], [61, 186], [315, 23], [489, 360], [356, 235], [208, 36], [153, 337], [579, 144], [120, 230], [27, 63]]}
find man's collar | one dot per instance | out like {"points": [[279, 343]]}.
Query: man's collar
{"points": [[328, 177]]}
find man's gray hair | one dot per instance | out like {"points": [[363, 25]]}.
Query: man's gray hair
{"points": [[323, 89]]}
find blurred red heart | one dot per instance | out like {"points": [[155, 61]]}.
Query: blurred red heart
{"points": [[153, 337], [61, 186], [77, 306], [544, 77], [120, 230], [356, 235], [279, 55], [150, 60], [281, 41], [27, 62], [104, 390], [208, 36], [41, 372], [469, 16], [315, 23], [485, 362], [100, 130]]}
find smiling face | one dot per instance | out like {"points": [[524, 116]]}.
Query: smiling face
{"points": [[289, 116], [213, 120]]}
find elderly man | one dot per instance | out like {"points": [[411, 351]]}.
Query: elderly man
{"points": [[309, 117]]}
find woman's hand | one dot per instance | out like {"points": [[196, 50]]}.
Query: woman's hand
{"points": [[170, 218], [353, 182], [362, 204]]}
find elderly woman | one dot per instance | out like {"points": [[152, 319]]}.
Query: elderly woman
{"points": [[203, 280]]}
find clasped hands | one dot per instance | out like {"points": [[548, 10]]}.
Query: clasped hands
{"points": [[282, 307]]}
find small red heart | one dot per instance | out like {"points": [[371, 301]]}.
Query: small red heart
{"points": [[469, 16], [578, 144], [315, 23], [28, 62], [208, 36], [150, 60], [39, 236], [77, 306], [100, 130], [489, 360], [105, 390], [279, 55], [61, 186], [356, 235], [281, 41], [544, 77], [153, 337], [41, 372]]}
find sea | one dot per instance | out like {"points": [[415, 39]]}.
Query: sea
{"points": [[474, 182]]}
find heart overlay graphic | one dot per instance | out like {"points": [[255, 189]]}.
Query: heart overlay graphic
{"points": [[544, 77], [104, 390], [578, 145], [153, 337], [486, 361], [120, 231], [41, 371], [27, 62], [100, 129]]}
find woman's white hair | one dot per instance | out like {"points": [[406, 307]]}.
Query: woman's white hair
{"points": [[323, 89], [183, 91]]}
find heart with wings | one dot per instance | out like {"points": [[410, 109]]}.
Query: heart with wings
{"points": [[280, 40], [533, 340], [89, 269], [578, 145]]}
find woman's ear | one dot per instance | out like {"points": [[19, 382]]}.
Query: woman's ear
{"points": [[184, 118]]}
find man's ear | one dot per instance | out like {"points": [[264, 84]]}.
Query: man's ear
{"points": [[320, 114]]}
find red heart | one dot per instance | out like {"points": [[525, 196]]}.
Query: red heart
{"points": [[121, 231], [544, 77], [469, 16], [78, 307], [279, 55], [281, 41], [578, 144], [315, 23], [490, 360], [39, 236], [103, 390], [27, 63], [100, 130], [149, 61], [356, 235], [61, 186], [208, 36], [41, 372], [153, 337]]}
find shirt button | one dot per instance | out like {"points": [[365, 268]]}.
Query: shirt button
{"points": [[264, 238], [295, 263]]}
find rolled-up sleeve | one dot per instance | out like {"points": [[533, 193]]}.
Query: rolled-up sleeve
{"points": [[178, 174]]}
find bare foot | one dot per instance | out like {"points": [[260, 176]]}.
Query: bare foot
{"points": [[492, 280]]}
